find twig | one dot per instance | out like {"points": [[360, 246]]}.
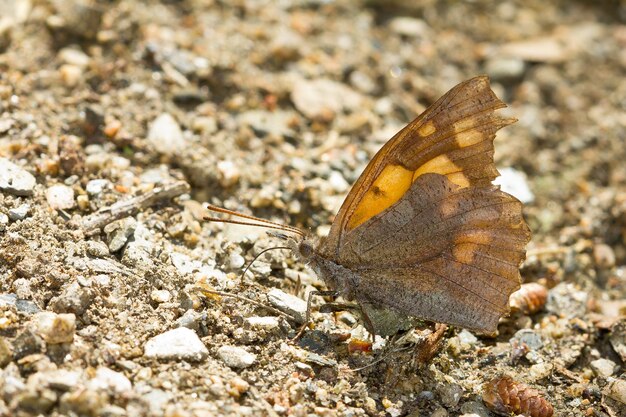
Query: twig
{"points": [[93, 223], [248, 300]]}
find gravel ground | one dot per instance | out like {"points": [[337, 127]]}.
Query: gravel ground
{"points": [[120, 119]]}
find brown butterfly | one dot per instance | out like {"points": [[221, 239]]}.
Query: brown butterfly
{"points": [[423, 231]]}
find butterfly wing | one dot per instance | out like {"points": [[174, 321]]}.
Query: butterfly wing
{"points": [[424, 227]]}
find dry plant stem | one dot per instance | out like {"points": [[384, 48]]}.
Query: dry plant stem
{"points": [[307, 319], [93, 223], [554, 250], [427, 350], [248, 300]]}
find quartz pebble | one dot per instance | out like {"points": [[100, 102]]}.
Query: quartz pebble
{"points": [[603, 367], [60, 197], [166, 136], [236, 357], [15, 180], [262, 323], [324, 98], [177, 344]]}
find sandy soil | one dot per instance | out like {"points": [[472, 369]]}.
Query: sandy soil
{"points": [[119, 120]]}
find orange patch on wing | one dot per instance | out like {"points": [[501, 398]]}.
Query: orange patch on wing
{"points": [[469, 138], [464, 252], [387, 189], [427, 129], [438, 165], [459, 179]]}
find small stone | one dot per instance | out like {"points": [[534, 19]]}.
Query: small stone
{"points": [[96, 187], [287, 303], [529, 338], [409, 27], [166, 136], [603, 367], [5, 353], [514, 182], [97, 248], [505, 68], [177, 344], [73, 299], [322, 99], [262, 323], [236, 261], [338, 183], [15, 180], [238, 386], [450, 395], [73, 56], [56, 328], [160, 296], [109, 380], [236, 357], [62, 379], [27, 343], [118, 232], [19, 213], [71, 75], [4, 220], [467, 338], [603, 255], [60, 197], [227, 173], [191, 319]]}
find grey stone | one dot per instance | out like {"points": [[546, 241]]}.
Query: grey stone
{"points": [[97, 248], [321, 98], [287, 303], [60, 197], [27, 343], [262, 323], [505, 68], [236, 357], [528, 337], [118, 232], [177, 344], [19, 213], [264, 122], [603, 367], [73, 299], [15, 180], [109, 380]]}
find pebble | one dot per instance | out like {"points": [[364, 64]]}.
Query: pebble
{"points": [[603, 367], [15, 180], [191, 319], [55, 328], [450, 395], [60, 197], [264, 122], [73, 299], [505, 68], [262, 323], [166, 136], [6, 354], [287, 303], [96, 187], [338, 183], [19, 213], [119, 231], [4, 220], [603, 255], [528, 337], [97, 248], [322, 99], [27, 343], [177, 344], [73, 56], [227, 173], [109, 380], [61, 379], [160, 296], [514, 182], [71, 74], [409, 27], [236, 261], [236, 357]]}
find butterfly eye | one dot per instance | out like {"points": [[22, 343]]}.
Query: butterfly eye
{"points": [[305, 249]]}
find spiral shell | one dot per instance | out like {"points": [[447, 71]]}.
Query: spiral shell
{"points": [[529, 299], [505, 396]]}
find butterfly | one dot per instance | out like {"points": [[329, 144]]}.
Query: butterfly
{"points": [[423, 231]]}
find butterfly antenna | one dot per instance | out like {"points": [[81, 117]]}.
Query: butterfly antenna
{"points": [[254, 221], [257, 257]]}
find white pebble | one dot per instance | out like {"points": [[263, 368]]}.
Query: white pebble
{"points": [[60, 197], [177, 344], [236, 357]]}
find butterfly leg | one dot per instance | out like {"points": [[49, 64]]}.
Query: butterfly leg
{"points": [[307, 319], [426, 350], [367, 322]]}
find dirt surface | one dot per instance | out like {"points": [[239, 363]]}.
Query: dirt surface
{"points": [[119, 120]]}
